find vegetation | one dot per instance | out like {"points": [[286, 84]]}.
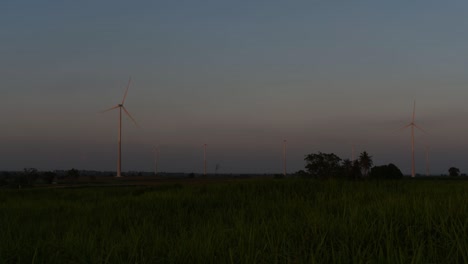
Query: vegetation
{"points": [[454, 172], [389, 171], [365, 162], [248, 221], [329, 165], [324, 165]]}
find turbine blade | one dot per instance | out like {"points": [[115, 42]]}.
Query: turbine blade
{"points": [[414, 109], [129, 115], [401, 128], [112, 108], [420, 129], [126, 90]]}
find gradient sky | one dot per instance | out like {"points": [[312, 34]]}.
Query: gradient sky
{"points": [[240, 76]]}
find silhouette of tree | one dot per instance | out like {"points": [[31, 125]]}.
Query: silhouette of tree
{"points": [[454, 171], [347, 165], [325, 165], [4, 178], [366, 163], [74, 174], [301, 174], [49, 176], [389, 171], [30, 175], [356, 170]]}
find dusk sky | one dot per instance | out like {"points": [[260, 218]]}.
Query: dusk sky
{"points": [[240, 76]]}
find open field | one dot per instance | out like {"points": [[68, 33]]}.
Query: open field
{"points": [[243, 221]]}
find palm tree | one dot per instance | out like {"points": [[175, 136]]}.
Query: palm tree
{"points": [[366, 163]]}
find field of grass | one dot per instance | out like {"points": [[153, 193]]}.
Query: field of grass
{"points": [[248, 221]]}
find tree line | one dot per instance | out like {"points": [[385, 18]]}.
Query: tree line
{"points": [[30, 176], [329, 165], [318, 165]]}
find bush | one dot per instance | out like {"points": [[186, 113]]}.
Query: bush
{"points": [[389, 171], [49, 177]]}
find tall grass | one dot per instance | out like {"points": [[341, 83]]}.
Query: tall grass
{"points": [[254, 221]]}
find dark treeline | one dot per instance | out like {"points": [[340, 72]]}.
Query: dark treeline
{"points": [[318, 165], [329, 165], [30, 177]]}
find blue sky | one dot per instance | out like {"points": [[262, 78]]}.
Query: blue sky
{"points": [[240, 76]]}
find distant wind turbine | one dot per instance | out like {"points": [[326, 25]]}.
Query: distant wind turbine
{"points": [[156, 157], [121, 107], [413, 125], [427, 160], [284, 157], [204, 159]]}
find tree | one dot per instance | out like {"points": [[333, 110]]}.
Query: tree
{"points": [[454, 171], [4, 178], [301, 174], [356, 170], [49, 177], [326, 165], [347, 165], [74, 174], [30, 175], [366, 163], [389, 171]]}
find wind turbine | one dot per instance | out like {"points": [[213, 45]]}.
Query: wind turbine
{"points": [[204, 159], [156, 157], [427, 160], [413, 125], [284, 157], [121, 107]]}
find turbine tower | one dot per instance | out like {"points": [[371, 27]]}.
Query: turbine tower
{"points": [[427, 160], [204, 159], [121, 107], [284, 157], [156, 157], [413, 125]]}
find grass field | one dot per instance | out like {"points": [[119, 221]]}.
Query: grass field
{"points": [[246, 221]]}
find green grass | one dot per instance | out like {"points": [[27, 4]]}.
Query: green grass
{"points": [[250, 221]]}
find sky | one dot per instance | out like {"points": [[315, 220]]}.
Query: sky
{"points": [[239, 76]]}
